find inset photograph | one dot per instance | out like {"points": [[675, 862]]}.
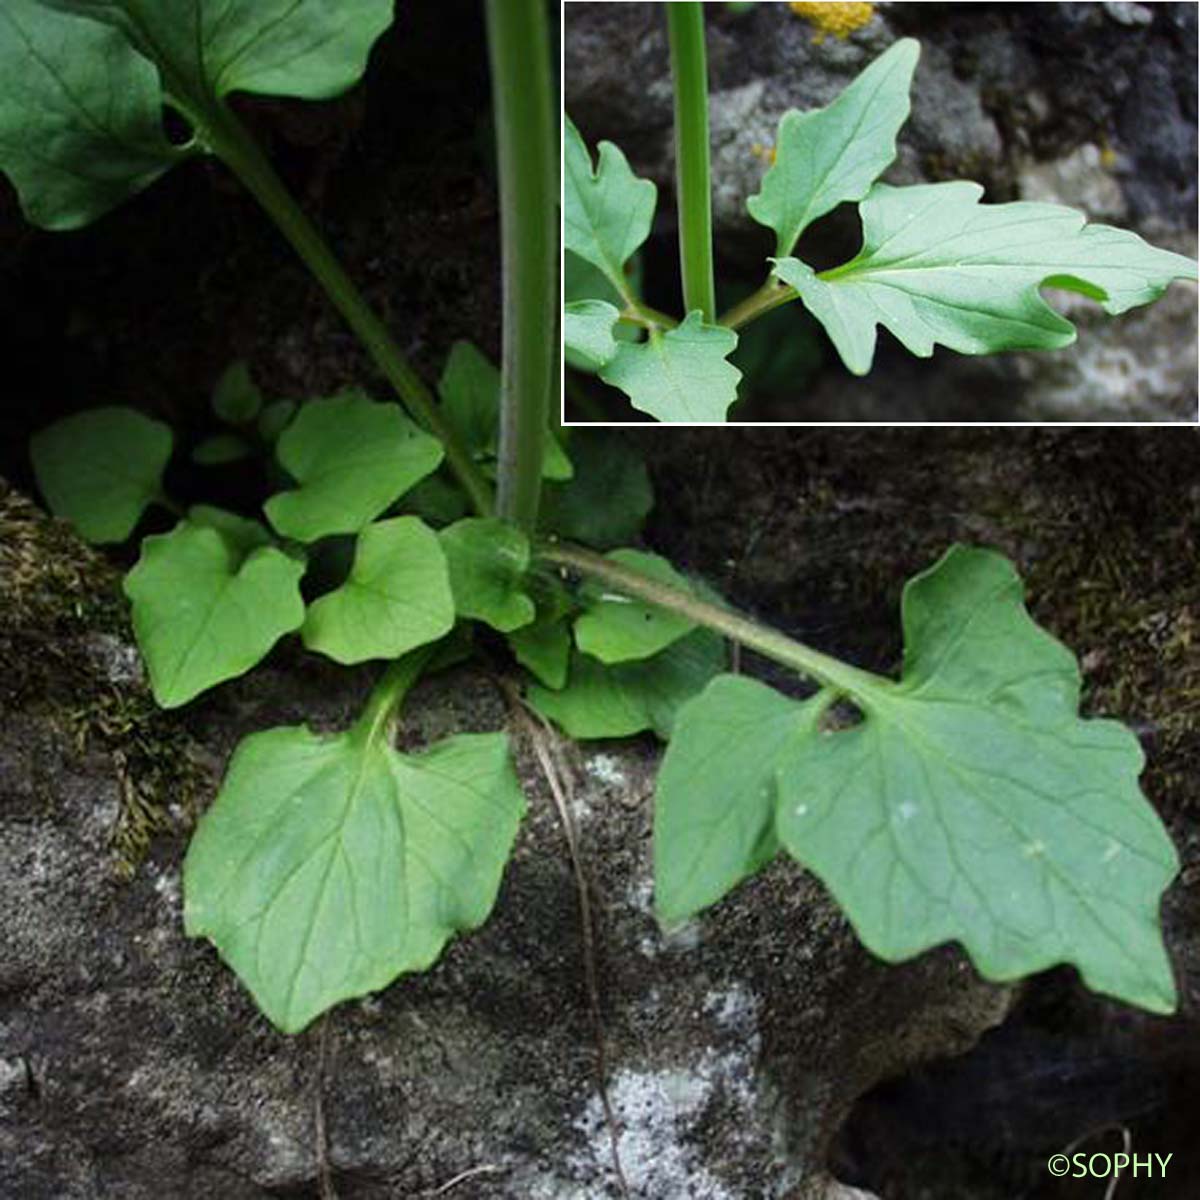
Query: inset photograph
{"points": [[890, 213]]}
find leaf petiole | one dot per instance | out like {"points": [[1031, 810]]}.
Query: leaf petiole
{"points": [[771, 295]]}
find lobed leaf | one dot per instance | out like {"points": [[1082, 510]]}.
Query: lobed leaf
{"points": [[938, 267], [588, 334], [607, 212], [489, 560], [205, 611], [352, 458], [971, 802], [617, 628], [328, 866], [678, 375], [830, 155], [396, 597], [101, 469]]}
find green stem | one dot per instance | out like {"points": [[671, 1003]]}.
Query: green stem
{"points": [[826, 670], [527, 157], [771, 295], [689, 72], [388, 694], [230, 141], [637, 313]]}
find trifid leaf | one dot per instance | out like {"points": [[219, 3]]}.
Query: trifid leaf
{"points": [[607, 212], [397, 596], [714, 811], [617, 628], [488, 561], [588, 334], [101, 469], [604, 702], [203, 613], [833, 154], [328, 866], [938, 267], [680, 374], [352, 458], [80, 116], [209, 48], [971, 803]]}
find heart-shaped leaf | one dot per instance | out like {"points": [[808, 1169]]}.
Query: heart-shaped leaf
{"points": [[328, 866], [101, 469], [203, 613], [397, 596], [489, 560], [352, 458]]}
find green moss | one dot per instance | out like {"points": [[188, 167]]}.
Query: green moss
{"points": [[60, 605]]}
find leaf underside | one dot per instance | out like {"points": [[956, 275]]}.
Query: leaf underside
{"points": [[971, 803], [328, 866], [938, 267]]}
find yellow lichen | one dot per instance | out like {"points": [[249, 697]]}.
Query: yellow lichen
{"points": [[839, 19], [766, 153]]}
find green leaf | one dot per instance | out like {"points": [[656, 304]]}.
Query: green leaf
{"points": [[606, 213], [328, 866], [209, 48], [602, 702], [101, 469], [610, 496], [588, 340], [274, 419], [220, 449], [236, 399], [436, 500], [470, 393], [397, 596], [204, 613], [679, 375], [488, 560], [938, 267], [80, 116], [714, 808], [833, 154], [970, 803], [240, 532], [616, 628], [352, 458], [544, 648]]}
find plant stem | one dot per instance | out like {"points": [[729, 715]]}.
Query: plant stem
{"points": [[230, 141], [637, 313], [689, 72], [771, 295], [388, 694], [527, 158], [826, 670]]}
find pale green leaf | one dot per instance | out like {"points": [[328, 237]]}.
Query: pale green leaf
{"points": [[938, 267], [830, 155], [601, 701], [396, 597], [610, 496], [328, 866], [208, 48], [352, 458], [101, 469], [80, 116], [203, 613], [242, 533], [680, 374], [588, 340], [488, 561], [470, 394], [617, 628], [714, 808], [607, 212], [236, 399]]}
